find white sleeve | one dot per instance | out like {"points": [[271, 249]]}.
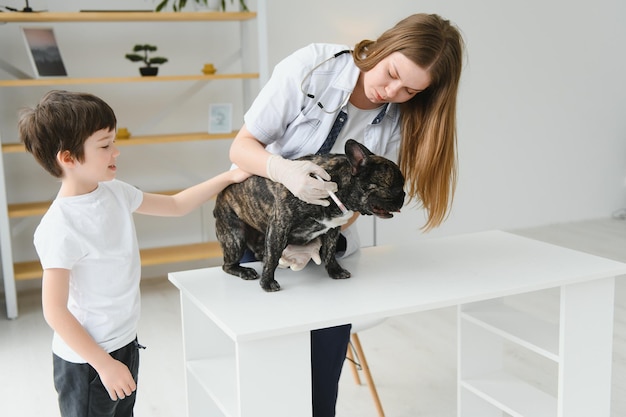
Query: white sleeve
{"points": [[280, 100], [132, 195], [56, 246]]}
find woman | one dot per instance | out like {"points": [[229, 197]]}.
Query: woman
{"points": [[397, 96]]}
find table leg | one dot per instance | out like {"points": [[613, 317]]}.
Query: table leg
{"points": [[586, 344]]}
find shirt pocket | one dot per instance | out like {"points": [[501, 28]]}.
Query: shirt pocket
{"points": [[301, 137]]}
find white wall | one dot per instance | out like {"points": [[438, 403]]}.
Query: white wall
{"points": [[542, 135], [542, 132]]}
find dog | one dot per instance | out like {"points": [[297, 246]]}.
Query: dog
{"points": [[265, 216]]}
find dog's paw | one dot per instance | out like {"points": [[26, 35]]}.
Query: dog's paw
{"points": [[241, 272], [270, 285], [335, 271], [339, 273]]}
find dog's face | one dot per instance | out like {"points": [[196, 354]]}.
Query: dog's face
{"points": [[265, 217], [373, 185]]}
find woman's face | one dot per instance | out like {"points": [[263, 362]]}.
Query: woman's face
{"points": [[395, 79]]}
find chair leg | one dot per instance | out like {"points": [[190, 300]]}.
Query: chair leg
{"points": [[368, 375], [353, 365]]}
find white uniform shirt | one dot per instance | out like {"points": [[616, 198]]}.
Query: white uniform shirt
{"points": [[292, 124], [93, 235]]}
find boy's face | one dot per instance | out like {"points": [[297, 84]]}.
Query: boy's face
{"points": [[99, 158]]}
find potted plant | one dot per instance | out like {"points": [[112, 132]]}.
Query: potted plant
{"points": [[177, 5], [148, 69]]}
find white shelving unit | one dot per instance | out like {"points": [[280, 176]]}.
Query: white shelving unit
{"points": [[11, 270], [488, 389], [209, 354], [242, 345], [228, 375]]}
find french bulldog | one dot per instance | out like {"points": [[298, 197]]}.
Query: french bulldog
{"points": [[265, 216]]}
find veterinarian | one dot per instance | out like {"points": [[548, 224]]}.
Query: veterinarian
{"points": [[87, 246], [397, 96]]}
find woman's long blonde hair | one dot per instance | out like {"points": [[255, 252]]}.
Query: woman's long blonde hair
{"points": [[428, 156]]}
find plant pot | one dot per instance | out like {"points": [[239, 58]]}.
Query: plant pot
{"points": [[149, 71]]}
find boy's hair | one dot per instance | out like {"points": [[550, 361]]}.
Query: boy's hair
{"points": [[62, 121]]}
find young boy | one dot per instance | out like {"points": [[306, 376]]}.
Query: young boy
{"points": [[88, 249]]}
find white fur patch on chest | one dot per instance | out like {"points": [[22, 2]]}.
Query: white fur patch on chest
{"points": [[328, 224]]}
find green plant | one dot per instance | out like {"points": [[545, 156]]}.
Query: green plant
{"points": [[177, 5], [145, 58]]}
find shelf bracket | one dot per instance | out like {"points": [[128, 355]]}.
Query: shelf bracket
{"points": [[14, 71]]}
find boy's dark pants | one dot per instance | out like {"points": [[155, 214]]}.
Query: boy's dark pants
{"points": [[81, 393]]}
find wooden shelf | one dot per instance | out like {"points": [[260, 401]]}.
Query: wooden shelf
{"points": [[149, 257], [118, 80], [144, 140], [183, 253], [36, 208], [194, 78], [39, 208], [124, 16]]}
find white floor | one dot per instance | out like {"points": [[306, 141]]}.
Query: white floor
{"points": [[412, 358]]}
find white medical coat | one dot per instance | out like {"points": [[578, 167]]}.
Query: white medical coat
{"points": [[292, 125]]}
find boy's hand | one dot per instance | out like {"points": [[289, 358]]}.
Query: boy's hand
{"points": [[117, 380], [239, 175]]}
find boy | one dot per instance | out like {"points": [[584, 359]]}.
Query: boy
{"points": [[88, 249]]}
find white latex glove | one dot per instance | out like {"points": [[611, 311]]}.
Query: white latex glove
{"points": [[297, 257], [296, 176]]}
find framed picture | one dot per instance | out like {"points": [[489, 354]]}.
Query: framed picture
{"points": [[44, 53], [220, 118]]}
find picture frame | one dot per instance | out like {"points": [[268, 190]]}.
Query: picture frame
{"points": [[43, 51], [220, 118]]}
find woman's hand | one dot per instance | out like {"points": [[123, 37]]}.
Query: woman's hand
{"points": [[297, 257], [296, 176]]}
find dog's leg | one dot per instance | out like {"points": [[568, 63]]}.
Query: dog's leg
{"points": [[327, 253], [231, 232], [256, 243], [275, 242]]}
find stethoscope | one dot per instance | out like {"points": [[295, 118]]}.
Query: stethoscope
{"points": [[308, 75]]}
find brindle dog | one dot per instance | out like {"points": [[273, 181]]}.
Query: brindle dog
{"points": [[265, 217]]}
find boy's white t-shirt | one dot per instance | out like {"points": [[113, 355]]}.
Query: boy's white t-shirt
{"points": [[93, 235]]}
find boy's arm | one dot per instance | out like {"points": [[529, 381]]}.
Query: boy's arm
{"points": [[115, 376], [191, 198]]}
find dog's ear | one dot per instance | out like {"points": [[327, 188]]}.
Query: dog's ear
{"points": [[357, 155]]}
